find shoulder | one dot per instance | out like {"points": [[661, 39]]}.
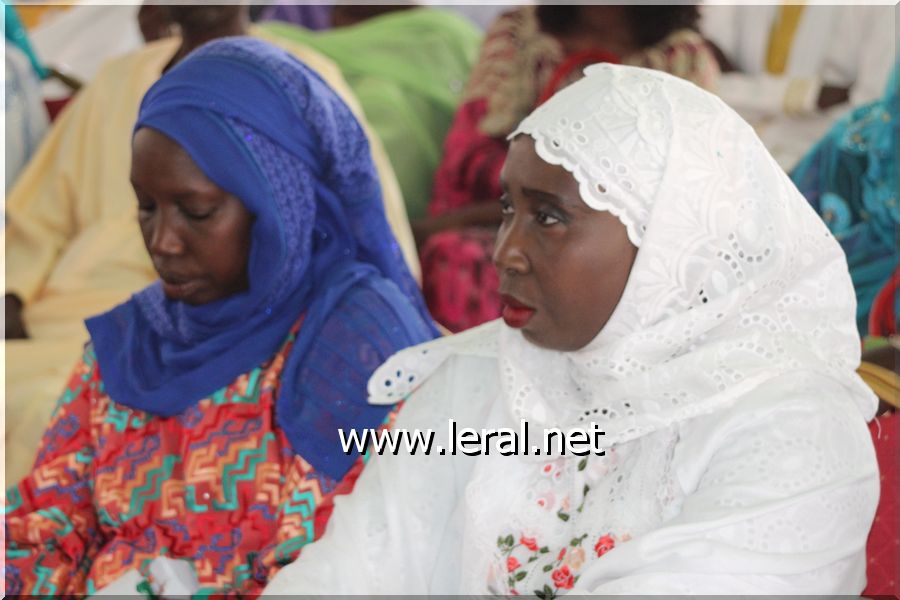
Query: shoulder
{"points": [[407, 370], [278, 34], [372, 321], [798, 429], [153, 57]]}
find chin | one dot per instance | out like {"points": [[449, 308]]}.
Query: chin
{"points": [[549, 343]]}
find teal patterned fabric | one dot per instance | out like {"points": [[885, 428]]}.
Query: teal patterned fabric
{"points": [[850, 178]]}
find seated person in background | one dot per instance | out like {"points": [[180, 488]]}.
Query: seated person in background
{"points": [[200, 424], [792, 69], [850, 177], [666, 282], [311, 16], [407, 68], [73, 248], [528, 54], [25, 114]]}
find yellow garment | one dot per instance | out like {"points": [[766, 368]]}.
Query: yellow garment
{"points": [[33, 15], [73, 246], [782, 37], [884, 382]]}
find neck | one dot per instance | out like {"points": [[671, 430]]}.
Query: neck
{"points": [[605, 27], [191, 40]]}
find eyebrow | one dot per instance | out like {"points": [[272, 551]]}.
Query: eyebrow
{"points": [[543, 196]]}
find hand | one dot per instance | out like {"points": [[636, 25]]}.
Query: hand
{"points": [[15, 325], [831, 95]]}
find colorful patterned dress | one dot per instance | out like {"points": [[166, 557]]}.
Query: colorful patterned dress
{"points": [[112, 488]]}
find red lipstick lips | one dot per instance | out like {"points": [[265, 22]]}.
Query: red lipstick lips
{"points": [[515, 314]]}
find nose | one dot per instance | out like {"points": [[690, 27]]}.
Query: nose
{"points": [[163, 237], [510, 256]]}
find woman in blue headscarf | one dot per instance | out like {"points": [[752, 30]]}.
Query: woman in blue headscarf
{"points": [[850, 178], [197, 446]]}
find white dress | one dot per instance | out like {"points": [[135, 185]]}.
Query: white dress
{"points": [[737, 456], [774, 495]]}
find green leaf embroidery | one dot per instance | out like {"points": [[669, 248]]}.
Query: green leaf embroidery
{"points": [[509, 540], [582, 464], [544, 550], [521, 576], [562, 515], [548, 568]]}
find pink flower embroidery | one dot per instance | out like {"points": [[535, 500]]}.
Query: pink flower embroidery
{"points": [[529, 543], [512, 564], [561, 554], [604, 545], [548, 501], [563, 578], [575, 558]]}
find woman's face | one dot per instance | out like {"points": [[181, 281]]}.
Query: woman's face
{"points": [[197, 234], [563, 265]]}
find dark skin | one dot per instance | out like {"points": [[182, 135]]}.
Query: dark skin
{"points": [[197, 234], [601, 26], [555, 254], [198, 24], [201, 24]]}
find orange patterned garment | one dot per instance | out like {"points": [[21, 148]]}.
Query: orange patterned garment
{"points": [[113, 488]]}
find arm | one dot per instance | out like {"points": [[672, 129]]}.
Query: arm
{"points": [[779, 499], [855, 68], [370, 323], [381, 539], [52, 533], [41, 211], [861, 56], [15, 325]]}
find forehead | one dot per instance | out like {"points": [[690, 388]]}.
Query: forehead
{"points": [[159, 162], [525, 168]]}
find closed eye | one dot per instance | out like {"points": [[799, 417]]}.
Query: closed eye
{"points": [[198, 215], [145, 206]]}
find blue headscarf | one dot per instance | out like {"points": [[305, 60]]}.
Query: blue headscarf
{"points": [[264, 127], [850, 177]]}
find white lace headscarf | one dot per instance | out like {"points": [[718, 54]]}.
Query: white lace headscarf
{"points": [[736, 281]]}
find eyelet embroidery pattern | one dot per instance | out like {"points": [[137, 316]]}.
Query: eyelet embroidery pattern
{"points": [[737, 282], [568, 514]]}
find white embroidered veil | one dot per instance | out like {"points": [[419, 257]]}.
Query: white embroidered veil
{"points": [[736, 283]]}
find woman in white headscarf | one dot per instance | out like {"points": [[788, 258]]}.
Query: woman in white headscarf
{"points": [[664, 279]]}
